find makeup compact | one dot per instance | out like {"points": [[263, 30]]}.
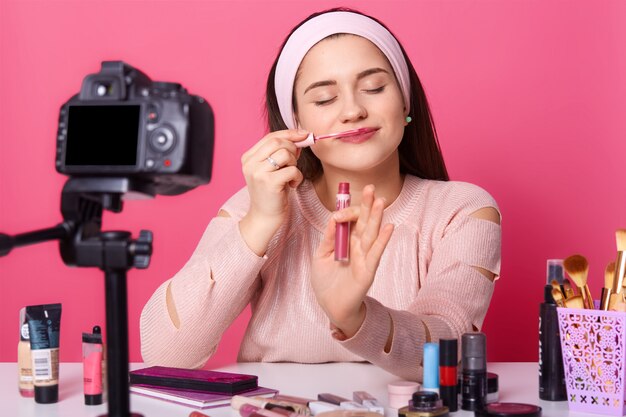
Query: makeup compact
{"points": [[492, 387], [509, 410], [424, 404]]}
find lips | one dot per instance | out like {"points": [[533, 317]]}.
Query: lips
{"points": [[359, 135]]}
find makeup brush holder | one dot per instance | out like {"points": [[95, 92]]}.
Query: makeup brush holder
{"points": [[593, 343]]}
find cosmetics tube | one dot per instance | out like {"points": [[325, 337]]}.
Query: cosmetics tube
{"points": [[552, 385], [239, 400], [92, 366], [318, 407], [368, 401], [474, 382], [44, 326], [448, 363], [401, 392], [24, 362], [342, 230], [249, 410], [292, 399], [331, 398], [431, 367]]}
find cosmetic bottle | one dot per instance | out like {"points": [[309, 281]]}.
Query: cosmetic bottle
{"points": [[92, 366], [551, 374], [431, 368], [24, 364], [474, 378], [448, 363], [424, 404], [342, 230]]}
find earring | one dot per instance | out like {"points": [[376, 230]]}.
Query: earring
{"points": [[408, 119]]}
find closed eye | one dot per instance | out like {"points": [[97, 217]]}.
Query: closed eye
{"points": [[324, 102], [376, 90]]}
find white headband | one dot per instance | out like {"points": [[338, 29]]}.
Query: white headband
{"points": [[320, 27]]}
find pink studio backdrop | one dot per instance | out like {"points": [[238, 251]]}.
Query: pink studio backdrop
{"points": [[528, 98]]}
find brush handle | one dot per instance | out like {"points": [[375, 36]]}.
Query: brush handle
{"points": [[605, 298], [588, 297], [620, 270]]}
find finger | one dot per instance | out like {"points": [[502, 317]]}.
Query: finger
{"points": [[348, 214], [281, 136], [367, 199], [283, 157], [327, 245], [372, 228], [376, 251], [297, 180], [285, 176]]}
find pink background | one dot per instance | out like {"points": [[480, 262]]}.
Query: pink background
{"points": [[528, 99]]}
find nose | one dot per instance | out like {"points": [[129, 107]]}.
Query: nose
{"points": [[352, 110]]}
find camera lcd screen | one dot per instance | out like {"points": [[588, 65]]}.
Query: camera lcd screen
{"points": [[102, 135]]}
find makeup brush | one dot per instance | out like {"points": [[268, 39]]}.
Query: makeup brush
{"points": [[617, 302], [620, 263], [557, 287], [575, 302], [577, 268], [557, 295], [609, 273], [568, 291]]}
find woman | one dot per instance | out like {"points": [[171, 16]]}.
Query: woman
{"points": [[424, 251]]}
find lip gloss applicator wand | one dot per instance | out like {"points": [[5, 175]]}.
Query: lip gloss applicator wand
{"points": [[311, 139]]}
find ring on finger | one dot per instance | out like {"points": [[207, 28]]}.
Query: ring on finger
{"points": [[273, 162]]}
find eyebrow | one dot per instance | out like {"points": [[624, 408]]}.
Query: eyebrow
{"points": [[359, 76]]}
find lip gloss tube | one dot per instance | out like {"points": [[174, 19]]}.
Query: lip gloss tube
{"points": [[342, 230]]}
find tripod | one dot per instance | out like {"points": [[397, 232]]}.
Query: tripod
{"points": [[83, 244]]}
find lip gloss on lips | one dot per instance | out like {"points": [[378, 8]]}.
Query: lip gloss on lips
{"points": [[342, 230]]}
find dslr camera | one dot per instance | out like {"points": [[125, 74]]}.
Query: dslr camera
{"points": [[124, 125]]}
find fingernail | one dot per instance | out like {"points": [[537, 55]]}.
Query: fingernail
{"points": [[302, 132]]}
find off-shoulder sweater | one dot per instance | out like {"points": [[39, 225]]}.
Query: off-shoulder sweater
{"points": [[426, 287]]}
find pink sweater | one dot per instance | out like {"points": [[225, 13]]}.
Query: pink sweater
{"points": [[425, 287]]}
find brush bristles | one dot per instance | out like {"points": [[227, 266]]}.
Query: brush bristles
{"points": [[620, 237], [577, 267], [557, 295], [609, 272]]}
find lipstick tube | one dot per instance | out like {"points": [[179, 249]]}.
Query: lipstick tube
{"points": [[342, 230], [448, 362]]}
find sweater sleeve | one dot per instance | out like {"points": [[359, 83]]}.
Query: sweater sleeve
{"points": [[453, 298], [209, 292]]}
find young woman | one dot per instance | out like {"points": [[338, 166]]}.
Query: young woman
{"points": [[423, 251]]}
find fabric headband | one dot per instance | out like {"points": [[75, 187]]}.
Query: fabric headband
{"points": [[320, 27]]}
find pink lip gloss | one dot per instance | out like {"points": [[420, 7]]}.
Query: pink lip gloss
{"points": [[342, 230]]}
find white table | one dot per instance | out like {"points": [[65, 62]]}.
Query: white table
{"points": [[518, 383]]}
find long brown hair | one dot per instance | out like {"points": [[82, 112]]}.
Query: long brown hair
{"points": [[419, 150]]}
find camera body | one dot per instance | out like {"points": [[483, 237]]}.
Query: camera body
{"points": [[122, 124]]}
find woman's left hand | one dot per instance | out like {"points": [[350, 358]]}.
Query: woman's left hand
{"points": [[340, 287]]}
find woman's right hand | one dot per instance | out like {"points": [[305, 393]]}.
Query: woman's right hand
{"points": [[269, 168]]}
